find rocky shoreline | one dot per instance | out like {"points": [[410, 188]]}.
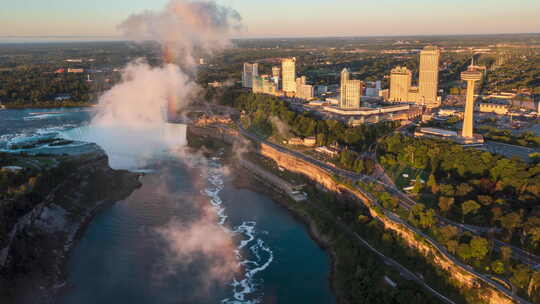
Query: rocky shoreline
{"points": [[35, 257], [241, 181]]}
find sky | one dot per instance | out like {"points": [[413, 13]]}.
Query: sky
{"points": [[284, 18]]}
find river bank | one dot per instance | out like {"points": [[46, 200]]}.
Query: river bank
{"points": [[243, 178], [359, 270], [64, 197], [356, 273], [242, 181]]}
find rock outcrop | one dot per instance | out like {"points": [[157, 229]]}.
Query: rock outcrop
{"points": [[464, 277], [33, 251]]}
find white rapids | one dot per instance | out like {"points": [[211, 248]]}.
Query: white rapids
{"points": [[252, 253]]}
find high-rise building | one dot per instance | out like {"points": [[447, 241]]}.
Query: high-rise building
{"points": [[288, 74], [276, 74], [304, 90], [251, 70], [472, 75], [351, 91], [264, 85], [428, 84], [400, 84]]}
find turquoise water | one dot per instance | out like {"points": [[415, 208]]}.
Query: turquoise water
{"points": [[119, 258], [122, 257]]}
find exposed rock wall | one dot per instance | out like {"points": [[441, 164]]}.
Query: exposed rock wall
{"points": [[227, 135], [40, 240], [464, 277]]}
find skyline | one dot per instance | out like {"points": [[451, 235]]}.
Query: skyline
{"points": [[65, 20]]}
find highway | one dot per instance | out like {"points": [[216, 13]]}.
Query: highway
{"points": [[509, 150], [406, 202], [405, 272]]}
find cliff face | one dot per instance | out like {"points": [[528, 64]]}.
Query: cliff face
{"points": [[300, 166], [465, 278], [34, 249], [229, 136]]}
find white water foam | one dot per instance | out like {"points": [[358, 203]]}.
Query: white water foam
{"points": [[252, 253], [43, 116]]}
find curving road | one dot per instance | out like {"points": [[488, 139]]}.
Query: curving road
{"points": [[406, 202]]}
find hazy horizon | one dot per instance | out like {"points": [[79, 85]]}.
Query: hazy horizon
{"points": [[74, 38], [284, 19]]}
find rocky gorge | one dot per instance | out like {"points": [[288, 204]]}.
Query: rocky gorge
{"points": [[43, 217]]}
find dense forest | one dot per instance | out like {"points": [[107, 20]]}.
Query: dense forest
{"points": [[472, 186], [476, 188]]}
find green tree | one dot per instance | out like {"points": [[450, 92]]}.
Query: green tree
{"points": [[427, 219], [463, 189], [521, 275], [447, 190], [479, 247], [446, 203], [498, 267], [485, 200], [511, 221], [448, 233], [464, 251], [388, 201], [418, 186], [468, 207], [452, 246], [532, 229], [432, 183]]}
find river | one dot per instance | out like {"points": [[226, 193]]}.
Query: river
{"points": [[123, 255]]}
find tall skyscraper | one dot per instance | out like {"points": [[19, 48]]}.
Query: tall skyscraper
{"points": [[472, 75], [400, 84], [351, 91], [428, 83], [288, 74], [250, 70]]}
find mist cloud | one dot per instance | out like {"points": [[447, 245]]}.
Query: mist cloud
{"points": [[200, 241], [147, 96], [185, 26], [139, 102], [141, 98], [181, 28], [281, 127]]}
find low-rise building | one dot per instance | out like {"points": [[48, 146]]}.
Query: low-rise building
{"points": [[449, 135], [435, 132], [329, 151], [297, 141], [363, 111], [499, 109], [363, 115]]}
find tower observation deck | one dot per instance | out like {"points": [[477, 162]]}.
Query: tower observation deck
{"points": [[471, 76]]}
